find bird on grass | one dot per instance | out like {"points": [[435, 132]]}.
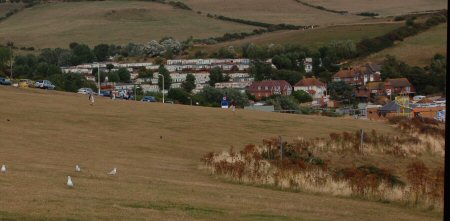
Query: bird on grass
{"points": [[69, 182], [3, 168], [77, 168], [113, 172]]}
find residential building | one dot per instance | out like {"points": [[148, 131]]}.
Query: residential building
{"points": [[308, 64], [358, 76], [312, 86], [269, 88], [399, 86], [241, 86]]}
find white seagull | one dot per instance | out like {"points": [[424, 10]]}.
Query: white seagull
{"points": [[113, 172], [69, 182], [3, 168], [77, 168]]}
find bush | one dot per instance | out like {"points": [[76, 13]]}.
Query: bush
{"points": [[178, 95], [302, 96]]}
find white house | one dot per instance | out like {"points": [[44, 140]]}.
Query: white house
{"points": [[308, 65], [312, 86]]}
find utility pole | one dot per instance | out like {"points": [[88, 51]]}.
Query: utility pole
{"points": [[11, 60], [98, 72]]}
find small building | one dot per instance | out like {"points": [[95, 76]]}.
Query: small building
{"points": [[269, 88], [308, 64], [312, 86]]}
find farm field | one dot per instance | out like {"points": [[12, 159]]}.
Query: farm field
{"points": [[284, 11], [417, 50], [312, 38], [119, 22], [156, 149], [382, 7]]}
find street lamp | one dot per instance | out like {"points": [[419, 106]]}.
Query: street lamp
{"points": [[162, 76], [98, 72]]}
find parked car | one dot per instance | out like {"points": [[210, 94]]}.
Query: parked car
{"points": [[5, 81], [44, 84], [148, 99], [105, 93], [25, 83], [85, 90]]}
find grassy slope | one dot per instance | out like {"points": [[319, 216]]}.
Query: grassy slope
{"points": [[417, 50], [158, 179], [313, 38], [281, 11], [383, 7], [58, 24]]}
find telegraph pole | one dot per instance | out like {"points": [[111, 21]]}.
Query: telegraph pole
{"points": [[11, 60]]}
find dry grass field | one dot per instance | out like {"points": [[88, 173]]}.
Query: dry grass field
{"points": [[120, 22], [156, 149], [281, 11], [417, 50], [312, 38], [382, 7]]}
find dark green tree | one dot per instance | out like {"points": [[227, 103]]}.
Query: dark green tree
{"points": [[290, 76], [215, 76], [124, 75], [261, 71], [167, 79], [189, 84], [81, 54], [101, 52], [179, 95], [340, 91]]}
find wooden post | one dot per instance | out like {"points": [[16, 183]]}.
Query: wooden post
{"points": [[361, 145], [281, 148]]}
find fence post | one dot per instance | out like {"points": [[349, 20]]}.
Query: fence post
{"points": [[361, 145], [281, 148]]}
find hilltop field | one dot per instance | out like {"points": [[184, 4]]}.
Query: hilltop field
{"points": [[120, 22], [382, 7], [156, 149], [312, 38], [117, 22], [417, 50]]}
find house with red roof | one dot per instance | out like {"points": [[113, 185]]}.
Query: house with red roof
{"points": [[312, 86], [359, 76], [261, 89], [399, 86]]}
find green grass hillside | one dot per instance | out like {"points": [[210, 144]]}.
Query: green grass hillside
{"points": [[156, 149]]}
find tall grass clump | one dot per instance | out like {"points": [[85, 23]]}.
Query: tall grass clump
{"points": [[297, 166]]}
